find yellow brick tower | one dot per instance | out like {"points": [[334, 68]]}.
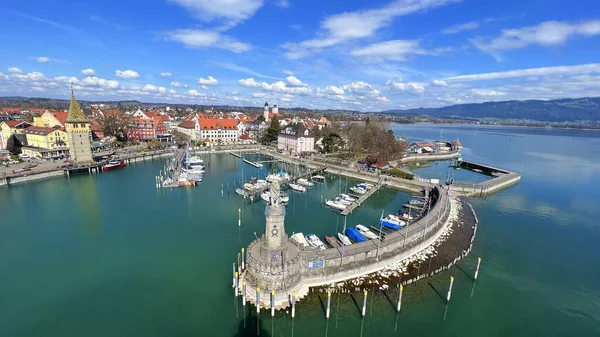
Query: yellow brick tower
{"points": [[78, 131]]}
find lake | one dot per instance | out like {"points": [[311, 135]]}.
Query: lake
{"points": [[110, 255]]}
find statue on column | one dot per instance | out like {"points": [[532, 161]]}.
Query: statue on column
{"points": [[275, 194]]}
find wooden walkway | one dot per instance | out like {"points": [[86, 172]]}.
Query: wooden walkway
{"points": [[348, 210]]}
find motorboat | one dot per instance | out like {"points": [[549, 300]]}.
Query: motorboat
{"points": [[335, 204], [332, 241], [314, 241], [266, 196], [240, 191], [304, 182], [300, 239], [390, 223], [194, 162], [366, 186], [278, 177], [404, 216], [342, 201], [416, 202], [297, 188], [397, 219], [284, 197], [344, 239], [318, 179], [358, 190], [355, 235], [346, 197], [114, 164], [248, 186], [366, 232]]}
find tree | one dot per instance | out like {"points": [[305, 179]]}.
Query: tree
{"points": [[260, 118], [28, 117], [272, 132], [154, 144], [115, 126], [180, 138], [12, 145]]}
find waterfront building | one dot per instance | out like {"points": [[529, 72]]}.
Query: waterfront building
{"points": [[11, 127], [188, 128], [43, 142], [50, 119], [296, 138], [144, 129], [78, 131], [218, 130]]}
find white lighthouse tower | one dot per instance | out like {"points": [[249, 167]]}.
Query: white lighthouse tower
{"points": [[266, 112]]}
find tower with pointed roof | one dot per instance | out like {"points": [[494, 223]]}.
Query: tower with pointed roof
{"points": [[266, 112], [78, 131]]}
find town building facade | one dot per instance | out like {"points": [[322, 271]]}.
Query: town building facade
{"points": [[296, 138], [78, 131]]}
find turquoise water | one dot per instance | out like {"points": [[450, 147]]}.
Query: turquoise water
{"points": [[109, 255]]}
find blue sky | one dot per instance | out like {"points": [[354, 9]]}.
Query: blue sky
{"points": [[362, 55]]}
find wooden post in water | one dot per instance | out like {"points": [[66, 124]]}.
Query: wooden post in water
{"points": [[243, 264], [328, 304], [450, 289], [364, 308], [257, 302], [293, 304], [234, 272], [239, 217], [243, 293], [236, 284], [400, 298], [221, 190], [272, 303], [239, 264], [477, 270]]}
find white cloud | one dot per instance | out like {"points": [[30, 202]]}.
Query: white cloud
{"points": [[487, 92], [283, 3], [43, 59], [208, 81], [332, 90], [165, 74], [286, 99], [127, 74], [154, 89], [461, 27], [361, 89], [88, 72], [549, 33], [395, 50], [178, 84], [198, 38], [543, 71], [230, 10], [287, 72], [439, 83], [172, 92], [259, 95], [277, 87], [14, 70], [204, 87], [194, 92], [412, 87], [293, 81], [99, 82], [383, 99], [348, 26]]}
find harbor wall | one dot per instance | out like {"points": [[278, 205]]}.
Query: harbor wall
{"points": [[429, 157], [30, 177], [321, 267]]}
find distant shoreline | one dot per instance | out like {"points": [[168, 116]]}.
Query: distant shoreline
{"points": [[505, 125]]}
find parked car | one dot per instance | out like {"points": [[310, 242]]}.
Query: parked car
{"points": [[23, 155]]}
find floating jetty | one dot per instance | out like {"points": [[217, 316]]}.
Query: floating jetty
{"points": [[348, 210]]}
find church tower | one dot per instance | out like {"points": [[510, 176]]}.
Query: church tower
{"points": [[266, 112], [78, 131]]}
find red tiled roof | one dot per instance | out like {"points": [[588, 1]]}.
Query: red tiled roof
{"points": [[13, 124], [245, 137], [213, 123], [151, 114], [37, 110], [187, 124], [38, 130], [11, 111], [61, 116], [271, 115], [111, 112]]}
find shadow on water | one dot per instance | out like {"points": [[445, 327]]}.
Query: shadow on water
{"points": [[464, 272], [389, 299], [322, 304], [250, 329], [356, 304], [437, 292]]}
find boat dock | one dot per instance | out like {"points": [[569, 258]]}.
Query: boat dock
{"points": [[348, 210], [501, 179]]}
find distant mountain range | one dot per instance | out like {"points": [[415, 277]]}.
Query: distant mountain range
{"points": [[559, 110]]}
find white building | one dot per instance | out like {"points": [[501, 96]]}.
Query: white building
{"points": [[218, 130], [296, 138]]}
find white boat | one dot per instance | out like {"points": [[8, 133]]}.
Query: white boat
{"points": [[367, 185], [347, 197], [297, 188], [266, 196], [334, 204], [366, 232], [404, 216], [345, 240], [248, 186], [240, 191], [304, 182], [314, 241], [318, 179], [342, 201], [195, 162], [416, 202], [284, 197], [395, 219], [358, 190], [300, 239]]}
